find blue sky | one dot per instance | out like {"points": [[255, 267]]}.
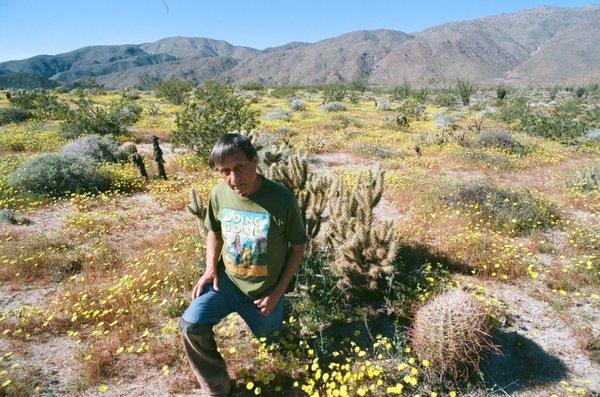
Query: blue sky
{"points": [[29, 28]]}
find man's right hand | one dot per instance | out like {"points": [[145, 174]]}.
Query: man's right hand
{"points": [[209, 277]]}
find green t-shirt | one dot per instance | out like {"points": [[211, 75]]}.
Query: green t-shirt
{"points": [[257, 232]]}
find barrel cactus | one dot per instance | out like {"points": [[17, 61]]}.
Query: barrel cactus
{"points": [[451, 332]]}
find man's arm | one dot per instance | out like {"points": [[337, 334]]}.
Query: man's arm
{"points": [[267, 303], [214, 243]]}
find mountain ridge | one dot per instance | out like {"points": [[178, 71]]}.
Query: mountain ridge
{"points": [[543, 45]]}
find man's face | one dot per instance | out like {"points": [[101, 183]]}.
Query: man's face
{"points": [[239, 173]]}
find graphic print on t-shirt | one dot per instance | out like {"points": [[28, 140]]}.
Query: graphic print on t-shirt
{"points": [[245, 236]]}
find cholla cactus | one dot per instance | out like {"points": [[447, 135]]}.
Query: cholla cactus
{"points": [[313, 204], [127, 149], [252, 136], [293, 174], [311, 192], [367, 252], [451, 332], [350, 207], [197, 208]]}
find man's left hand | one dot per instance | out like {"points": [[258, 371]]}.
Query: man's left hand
{"points": [[267, 303]]}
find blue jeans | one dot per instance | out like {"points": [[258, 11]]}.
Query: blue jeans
{"points": [[212, 306]]}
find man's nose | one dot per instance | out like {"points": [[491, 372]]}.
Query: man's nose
{"points": [[234, 177]]}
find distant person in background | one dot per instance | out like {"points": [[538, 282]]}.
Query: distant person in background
{"points": [[245, 212]]}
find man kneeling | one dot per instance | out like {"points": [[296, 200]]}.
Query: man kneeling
{"points": [[255, 242]]}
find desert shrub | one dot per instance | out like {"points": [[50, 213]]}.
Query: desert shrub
{"points": [[502, 140], [284, 91], [340, 122], [297, 105], [61, 89], [444, 121], [552, 91], [593, 135], [13, 115], [420, 95], [131, 94], [592, 116], [50, 174], [122, 177], [579, 92], [383, 105], [354, 97], [501, 92], [445, 98], [252, 86], [401, 92], [359, 85], [490, 159], [9, 216], [412, 107], [559, 126], [173, 89], [511, 113], [585, 179], [334, 93], [278, 114], [517, 212], [101, 148], [332, 107], [90, 85], [212, 110], [465, 89], [451, 332], [40, 104], [88, 118]]}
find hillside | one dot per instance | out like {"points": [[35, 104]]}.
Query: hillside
{"points": [[544, 45]]}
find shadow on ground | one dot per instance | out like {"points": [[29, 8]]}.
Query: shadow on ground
{"points": [[521, 364]]}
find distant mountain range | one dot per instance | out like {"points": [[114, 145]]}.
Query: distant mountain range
{"points": [[544, 45]]}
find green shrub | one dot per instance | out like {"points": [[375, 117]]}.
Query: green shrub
{"points": [[252, 86], [420, 95], [87, 118], [278, 114], [212, 110], [579, 92], [297, 105], [173, 89], [40, 104], [516, 211], [91, 86], [334, 93], [13, 115], [101, 148], [412, 107], [285, 91], [552, 91], [56, 175], [401, 92], [131, 94], [512, 113], [465, 89], [557, 125], [501, 92], [586, 179], [332, 107], [445, 98], [502, 140], [359, 85]]}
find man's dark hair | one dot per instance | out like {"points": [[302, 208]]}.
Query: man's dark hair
{"points": [[230, 144]]}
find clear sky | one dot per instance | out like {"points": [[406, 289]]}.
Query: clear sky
{"points": [[33, 27]]}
